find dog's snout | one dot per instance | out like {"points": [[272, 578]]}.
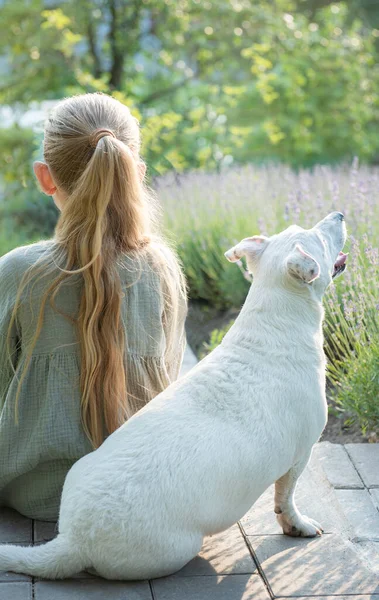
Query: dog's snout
{"points": [[334, 217]]}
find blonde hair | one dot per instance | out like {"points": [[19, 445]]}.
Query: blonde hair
{"points": [[91, 146]]}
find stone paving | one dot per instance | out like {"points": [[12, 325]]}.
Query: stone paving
{"points": [[252, 560]]}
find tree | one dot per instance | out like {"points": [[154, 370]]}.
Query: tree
{"points": [[211, 82]]}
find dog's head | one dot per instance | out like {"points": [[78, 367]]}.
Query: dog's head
{"points": [[297, 257]]}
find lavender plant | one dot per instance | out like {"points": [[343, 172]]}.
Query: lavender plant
{"points": [[208, 213]]}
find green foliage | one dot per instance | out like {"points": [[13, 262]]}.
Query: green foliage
{"points": [[33, 215], [22, 206], [312, 95], [17, 148], [207, 214], [39, 51], [358, 386], [11, 238], [212, 83], [352, 335], [215, 339], [290, 89]]}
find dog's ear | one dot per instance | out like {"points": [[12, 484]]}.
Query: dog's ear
{"points": [[250, 247], [302, 265]]}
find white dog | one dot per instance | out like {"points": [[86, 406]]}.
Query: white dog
{"points": [[196, 458]]}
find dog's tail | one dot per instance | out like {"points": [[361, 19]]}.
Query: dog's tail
{"points": [[55, 560]]}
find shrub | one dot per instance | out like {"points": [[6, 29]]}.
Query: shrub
{"points": [[215, 339], [352, 332]]}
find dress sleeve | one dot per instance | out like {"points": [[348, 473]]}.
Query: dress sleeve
{"points": [[8, 353]]}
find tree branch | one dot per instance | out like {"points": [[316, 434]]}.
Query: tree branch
{"points": [[92, 46], [160, 93], [117, 57], [127, 25]]}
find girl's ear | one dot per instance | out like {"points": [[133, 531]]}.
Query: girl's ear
{"points": [[44, 178], [251, 247]]}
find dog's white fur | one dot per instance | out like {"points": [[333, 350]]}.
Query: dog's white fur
{"points": [[197, 457]]}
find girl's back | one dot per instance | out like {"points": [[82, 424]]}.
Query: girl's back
{"points": [[93, 319]]}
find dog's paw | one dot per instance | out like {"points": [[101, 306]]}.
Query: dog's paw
{"points": [[300, 527]]}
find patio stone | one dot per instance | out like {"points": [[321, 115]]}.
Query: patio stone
{"points": [[16, 591], [322, 566], [366, 460], [375, 496], [221, 554], [369, 552], [360, 597], [358, 506], [228, 587], [337, 465], [96, 589], [14, 527], [44, 531]]}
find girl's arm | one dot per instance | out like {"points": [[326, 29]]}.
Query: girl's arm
{"points": [[8, 352]]}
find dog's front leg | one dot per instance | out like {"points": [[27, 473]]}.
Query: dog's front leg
{"points": [[287, 514]]}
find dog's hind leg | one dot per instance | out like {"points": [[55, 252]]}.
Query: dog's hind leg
{"points": [[287, 513], [166, 559]]}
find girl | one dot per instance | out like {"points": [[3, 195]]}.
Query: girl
{"points": [[92, 320]]}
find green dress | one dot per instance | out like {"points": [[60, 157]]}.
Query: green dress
{"points": [[37, 452]]}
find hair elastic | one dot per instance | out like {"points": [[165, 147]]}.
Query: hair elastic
{"points": [[96, 136]]}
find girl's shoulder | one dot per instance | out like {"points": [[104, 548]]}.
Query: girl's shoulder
{"points": [[162, 251], [151, 259], [15, 262]]}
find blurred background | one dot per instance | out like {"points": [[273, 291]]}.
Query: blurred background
{"points": [[254, 114], [213, 83]]}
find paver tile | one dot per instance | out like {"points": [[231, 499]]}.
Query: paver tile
{"points": [[44, 531], [369, 551], [360, 597], [14, 527], [261, 519], [375, 496], [221, 554], [359, 508], [366, 460], [337, 465], [6, 576], [227, 587], [15, 591], [323, 566], [93, 589]]}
